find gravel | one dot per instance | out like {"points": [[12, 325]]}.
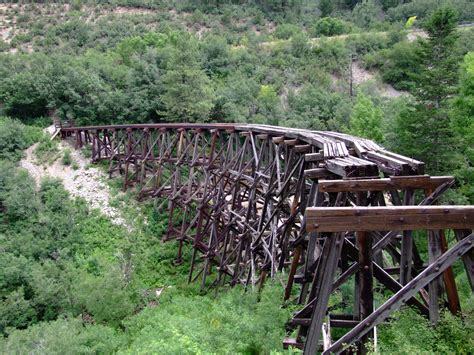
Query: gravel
{"points": [[85, 182]]}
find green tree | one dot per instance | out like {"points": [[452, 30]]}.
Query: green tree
{"points": [[188, 92], [326, 7], [366, 119], [463, 125], [424, 128]]}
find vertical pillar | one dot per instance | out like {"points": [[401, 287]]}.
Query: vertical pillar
{"points": [[434, 251], [365, 276]]}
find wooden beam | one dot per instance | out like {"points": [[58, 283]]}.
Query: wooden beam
{"points": [[316, 173], [423, 182], [341, 219], [303, 148], [314, 157], [408, 291]]}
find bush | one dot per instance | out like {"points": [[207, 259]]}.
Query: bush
{"points": [[233, 322], [63, 336], [330, 26], [67, 159], [14, 139], [409, 333], [423, 8], [106, 297], [400, 63], [285, 31]]}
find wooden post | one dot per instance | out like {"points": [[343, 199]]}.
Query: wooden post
{"points": [[366, 298]]}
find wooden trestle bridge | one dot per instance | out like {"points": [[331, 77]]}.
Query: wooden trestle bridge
{"points": [[326, 208]]}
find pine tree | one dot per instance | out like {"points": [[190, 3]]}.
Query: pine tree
{"points": [[463, 126], [424, 128]]}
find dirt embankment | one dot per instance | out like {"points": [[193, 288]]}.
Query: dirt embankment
{"points": [[79, 179]]}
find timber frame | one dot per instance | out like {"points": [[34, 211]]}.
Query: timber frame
{"points": [[326, 208]]}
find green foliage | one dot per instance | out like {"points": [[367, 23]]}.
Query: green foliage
{"points": [[230, 323], [462, 123], [424, 8], [366, 13], [16, 194], [74, 282], [326, 7], [330, 26], [63, 336], [424, 129], [398, 64], [16, 311], [366, 119], [14, 138], [188, 92], [67, 159], [105, 297], [47, 150], [410, 333], [286, 30]]}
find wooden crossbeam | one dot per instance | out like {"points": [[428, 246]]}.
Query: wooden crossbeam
{"points": [[423, 182], [340, 219], [408, 291]]}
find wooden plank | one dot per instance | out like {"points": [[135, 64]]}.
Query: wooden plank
{"points": [[424, 182], [468, 258], [291, 142], [314, 157], [278, 140], [304, 148], [449, 281], [408, 291], [316, 173], [341, 219], [332, 247], [365, 276]]}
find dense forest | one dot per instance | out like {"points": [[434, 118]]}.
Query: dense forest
{"points": [[72, 281]]}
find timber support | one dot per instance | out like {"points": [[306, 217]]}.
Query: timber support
{"points": [[327, 208]]}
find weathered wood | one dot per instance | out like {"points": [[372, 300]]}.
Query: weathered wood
{"points": [[316, 173], [365, 274], [340, 219], [239, 194], [467, 258], [424, 182], [449, 281], [323, 292], [311, 157], [408, 291]]}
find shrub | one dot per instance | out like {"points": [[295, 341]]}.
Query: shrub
{"points": [[330, 26], [233, 322], [63, 336], [285, 31], [13, 139], [67, 159]]}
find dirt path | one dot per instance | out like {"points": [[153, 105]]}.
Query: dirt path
{"points": [[85, 182]]}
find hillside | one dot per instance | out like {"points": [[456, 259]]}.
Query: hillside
{"points": [[83, 268]]}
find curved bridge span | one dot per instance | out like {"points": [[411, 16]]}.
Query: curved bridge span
{"points": [[326, 209]]}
